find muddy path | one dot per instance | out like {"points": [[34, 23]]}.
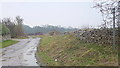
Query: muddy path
{"points": [[20, 54]]}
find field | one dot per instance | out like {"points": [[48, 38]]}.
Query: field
{"points": [[7, 43], [68, 50], [21, 37]]}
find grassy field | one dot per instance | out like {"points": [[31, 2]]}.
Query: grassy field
{"points": [[7, 43], [22, 37], [70, 51]]}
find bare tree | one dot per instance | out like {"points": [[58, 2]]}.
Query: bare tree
{"points": [[110, 10], [10, 25], [15, 27], [19, 28], [105, 7]]}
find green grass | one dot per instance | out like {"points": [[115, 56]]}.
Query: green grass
{"points": [[7, 43], [70, 51], [35, 36], [47, 60]]}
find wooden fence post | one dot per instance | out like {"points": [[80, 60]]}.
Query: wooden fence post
{"points": [[113, 11]]}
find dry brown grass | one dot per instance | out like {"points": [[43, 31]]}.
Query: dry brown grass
{"points": [[70, 51]]}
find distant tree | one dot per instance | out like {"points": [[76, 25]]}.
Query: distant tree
{"points": [[10, 25], [15, 26], [5, 30], [54, 33], [19, 27], [46, 29], [85, 27]]}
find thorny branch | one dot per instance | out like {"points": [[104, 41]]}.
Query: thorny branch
{"points": [[105, 7]]}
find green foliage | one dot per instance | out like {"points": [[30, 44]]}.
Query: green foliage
{"points": [[4, 30], [14, 28]]}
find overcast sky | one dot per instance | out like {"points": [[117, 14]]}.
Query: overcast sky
{"points": [[75, 14]]}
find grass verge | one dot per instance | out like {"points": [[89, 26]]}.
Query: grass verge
{"points": [[70, 51], [7, 43], [21, 37]]}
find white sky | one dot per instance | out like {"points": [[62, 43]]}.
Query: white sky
{"points": [[46, 0], [75, 13]]}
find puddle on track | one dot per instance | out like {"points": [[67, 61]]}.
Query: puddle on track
{"points": [[25, 56]]}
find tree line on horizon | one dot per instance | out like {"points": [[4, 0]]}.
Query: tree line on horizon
{"points": [[46, 29], [17, 28]]}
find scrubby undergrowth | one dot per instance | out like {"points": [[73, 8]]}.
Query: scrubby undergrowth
{"points": [[68, 50]]}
